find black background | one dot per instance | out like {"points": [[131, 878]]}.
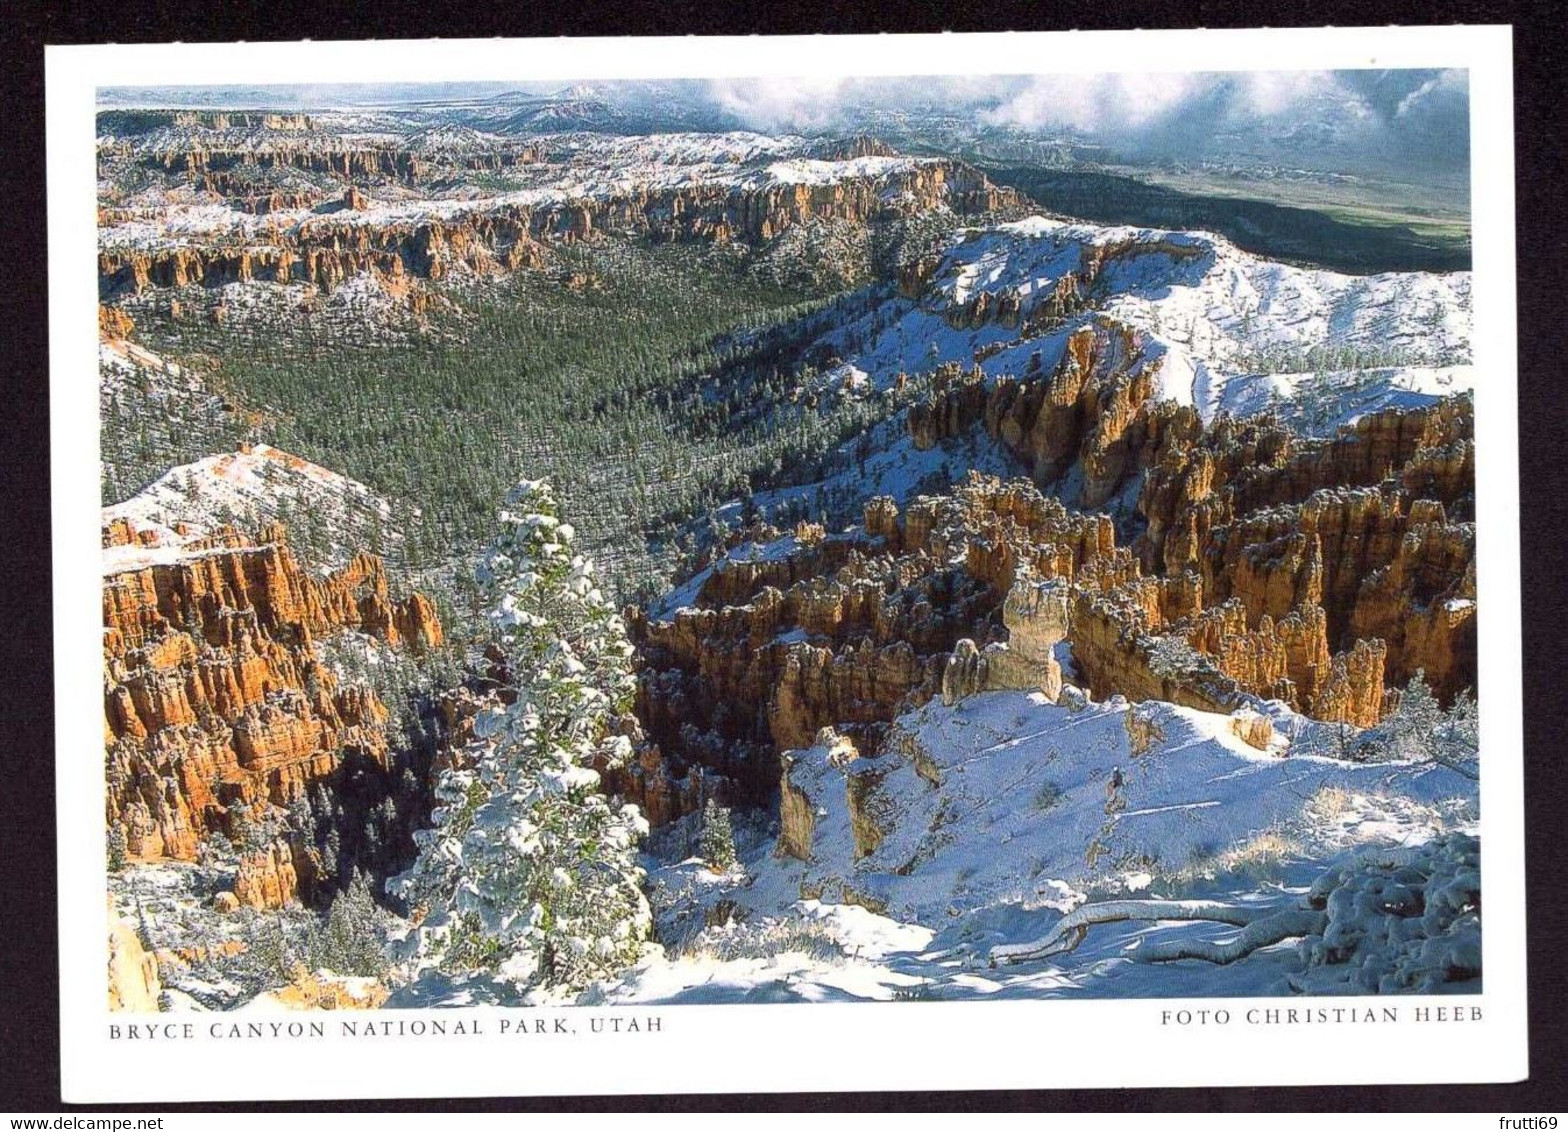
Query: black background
{"points": [[29, 1022]]}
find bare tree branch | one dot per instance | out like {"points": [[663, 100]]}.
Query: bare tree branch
{"points": [[1070, 930]]}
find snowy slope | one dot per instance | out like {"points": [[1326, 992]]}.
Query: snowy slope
{"points": [[1199, 290], [1004, 812], [1005, 797], [249, 488], [1211, 313], [578, 166]]}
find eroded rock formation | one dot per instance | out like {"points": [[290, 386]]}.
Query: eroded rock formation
{"points": [[1372, 526], [326, 249], [1096, 409], [133, 973], [218, 706], [1317, 572], [327, 253], [846, 630]]}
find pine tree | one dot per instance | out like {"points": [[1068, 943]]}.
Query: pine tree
{"points": [[1413, 728], [117, 849], [717, 842], [529, 870], [350, 941], [1419, 730]]}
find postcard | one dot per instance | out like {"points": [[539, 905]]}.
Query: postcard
{"points": [[836, 563]]}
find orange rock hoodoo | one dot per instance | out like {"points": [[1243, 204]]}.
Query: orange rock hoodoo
{"points": [[843, 630], [1370, 525], [1312, 571], [1095, 409], [216, 701]]}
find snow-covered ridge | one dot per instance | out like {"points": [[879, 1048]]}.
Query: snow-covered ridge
{"points": [[580, 167], [252, 487], [736, 147], [1231, 331], [988, 821], [1198, 291]]}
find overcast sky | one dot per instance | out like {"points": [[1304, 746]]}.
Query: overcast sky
{"points": [[1403, 115]]}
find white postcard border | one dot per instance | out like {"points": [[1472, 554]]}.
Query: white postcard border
{"points": [[850, 1047]]}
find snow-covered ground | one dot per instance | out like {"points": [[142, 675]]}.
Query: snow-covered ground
{"points": [[997, 816], [578, 166], [1319, 404], [1003, 812], [1212, 314], [1199, 290], [248, 488]]}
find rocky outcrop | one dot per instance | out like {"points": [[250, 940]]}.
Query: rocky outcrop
{"points": [[845, 631], [211, 159], [797, 815], [264, 203], [130, 123], [1316, 572], [219, 709], [955, 405], [1035, 616], [1334, 543], [1371, 526], [1043, 309], [274, 875], [113, 323], [324, 250], [327, 253], [1095, 410], [858, 778], [652, 784], [133, 972], [847, 149]]}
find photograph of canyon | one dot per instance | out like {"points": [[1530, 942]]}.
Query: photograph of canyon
{"points": [[773, 541]]}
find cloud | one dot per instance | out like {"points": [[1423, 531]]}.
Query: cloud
{"points": [[781, 104], [1444, 94], [1144, 102], [1333, 119], [1093, 103], [821, 102]]}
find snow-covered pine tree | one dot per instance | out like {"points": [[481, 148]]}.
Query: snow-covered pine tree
{"points": [[1412, 729], [349, 942], [529, 871], [717, 841]]}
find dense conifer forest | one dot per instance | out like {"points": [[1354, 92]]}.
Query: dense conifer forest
{"points": [[649, 382]]}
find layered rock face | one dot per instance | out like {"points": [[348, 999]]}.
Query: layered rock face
{"points": [[122, 123], [1372, 527], [325, 255], [505, 235], [847, 630], [223, 151], [1317, 572], [217, 703], [1367, 532], [214, 167], [1096, 409]]}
